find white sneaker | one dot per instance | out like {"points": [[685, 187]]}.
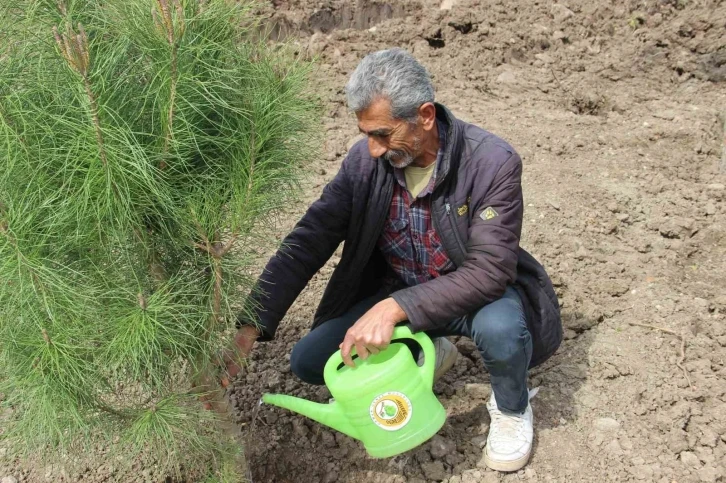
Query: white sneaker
{"points": [[509, 443], [446, 354]]}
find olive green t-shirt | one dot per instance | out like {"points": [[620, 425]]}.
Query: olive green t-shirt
{"points": [[418, 178]]}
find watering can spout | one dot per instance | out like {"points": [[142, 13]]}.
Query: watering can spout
{"points": [[328, 414]]}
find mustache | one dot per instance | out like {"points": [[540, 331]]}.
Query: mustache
{"points": [[392, 155]]}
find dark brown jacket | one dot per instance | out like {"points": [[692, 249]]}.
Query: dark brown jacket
{"points": [[477, 210]]}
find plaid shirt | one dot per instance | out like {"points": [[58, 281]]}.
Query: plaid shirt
{"points": [[409, 242]]}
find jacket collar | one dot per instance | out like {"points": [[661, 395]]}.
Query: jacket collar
{"points": [[452, 151]]}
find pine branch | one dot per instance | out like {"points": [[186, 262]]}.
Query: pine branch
{"points": [[74, 48], [62, 7], [217, 306], [167, 27]]}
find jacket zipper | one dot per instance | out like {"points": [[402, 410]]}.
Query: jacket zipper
{"points": [[452, 221]]}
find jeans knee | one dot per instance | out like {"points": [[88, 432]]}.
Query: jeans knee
{"points": [[500, 336], [305, 367]]}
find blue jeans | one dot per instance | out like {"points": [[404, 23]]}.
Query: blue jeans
{"points": [[498, 329]]}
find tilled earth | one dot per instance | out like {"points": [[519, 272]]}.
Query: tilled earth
{"points": [[617, 108]]}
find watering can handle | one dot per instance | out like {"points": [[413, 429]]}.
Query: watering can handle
{"points": [[400, 332]]}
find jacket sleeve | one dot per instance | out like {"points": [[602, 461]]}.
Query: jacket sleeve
{"points": [[302, 253], [492, 250]]}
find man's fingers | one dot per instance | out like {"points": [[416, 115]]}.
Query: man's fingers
{"points": [[233, 369], [345, 352], [373, 349], [361, 350]]}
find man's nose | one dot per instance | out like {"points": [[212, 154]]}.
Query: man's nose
{"points": [[376, 148]]}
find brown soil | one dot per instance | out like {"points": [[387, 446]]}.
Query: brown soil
{"points": [[617, 110], [614, 107]]}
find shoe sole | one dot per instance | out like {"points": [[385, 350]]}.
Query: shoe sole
{"points": [[447, 364], [513, 465]]}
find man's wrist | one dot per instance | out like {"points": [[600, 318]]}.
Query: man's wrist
{"points": [[398, 314]]}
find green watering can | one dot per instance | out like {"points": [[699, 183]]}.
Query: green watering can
{"points": [[385, 401]]}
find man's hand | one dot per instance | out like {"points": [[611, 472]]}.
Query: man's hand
{"points": [[232, 360], [244, 339], [372, 333]]}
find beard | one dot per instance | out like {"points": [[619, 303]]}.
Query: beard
{"points": [[399, 158]]}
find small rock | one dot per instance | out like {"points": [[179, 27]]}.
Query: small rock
{"points": [[642, 472], [530, 474], [434, 470], [441, 447], [668, 115], [716, 187], [490, 477], [690, 460], [558, 35], [506, 77], [479, 441], [582, 253], [471, 476], [561, 13], [708, 474], [271, 417], [708, 436], [710, 209], [677, 441], [330, 477], [9, 479], [607, 424], [478, 390], [546, 58], [328, 439], [670, 229], [570, 334], [318, 42], [422, 456], [466, 346], [613, 447], [299, 429], [615, 287]]}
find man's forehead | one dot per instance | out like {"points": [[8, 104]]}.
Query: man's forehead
{"points": [[376, 117]]}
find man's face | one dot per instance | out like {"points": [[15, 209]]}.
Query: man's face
{"points": [[395, 140]]}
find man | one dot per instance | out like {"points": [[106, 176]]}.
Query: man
{"points": [[430, 212]]}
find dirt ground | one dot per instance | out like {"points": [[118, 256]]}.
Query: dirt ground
{"points": [[616, 108]]}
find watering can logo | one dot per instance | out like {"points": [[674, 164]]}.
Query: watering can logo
{"points": [[391, 411], [385, 401]]}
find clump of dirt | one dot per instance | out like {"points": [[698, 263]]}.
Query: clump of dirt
{"points": [[614, 107]]}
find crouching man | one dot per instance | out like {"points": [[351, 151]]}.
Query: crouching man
{"points": [[430, 212]]}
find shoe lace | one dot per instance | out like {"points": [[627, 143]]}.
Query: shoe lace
{"points": [[505, 425]]}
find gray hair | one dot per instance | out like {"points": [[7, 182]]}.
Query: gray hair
{"points": [[393, 74]]}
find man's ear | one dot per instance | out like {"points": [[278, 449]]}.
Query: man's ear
{"points": [[427, 112]]}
